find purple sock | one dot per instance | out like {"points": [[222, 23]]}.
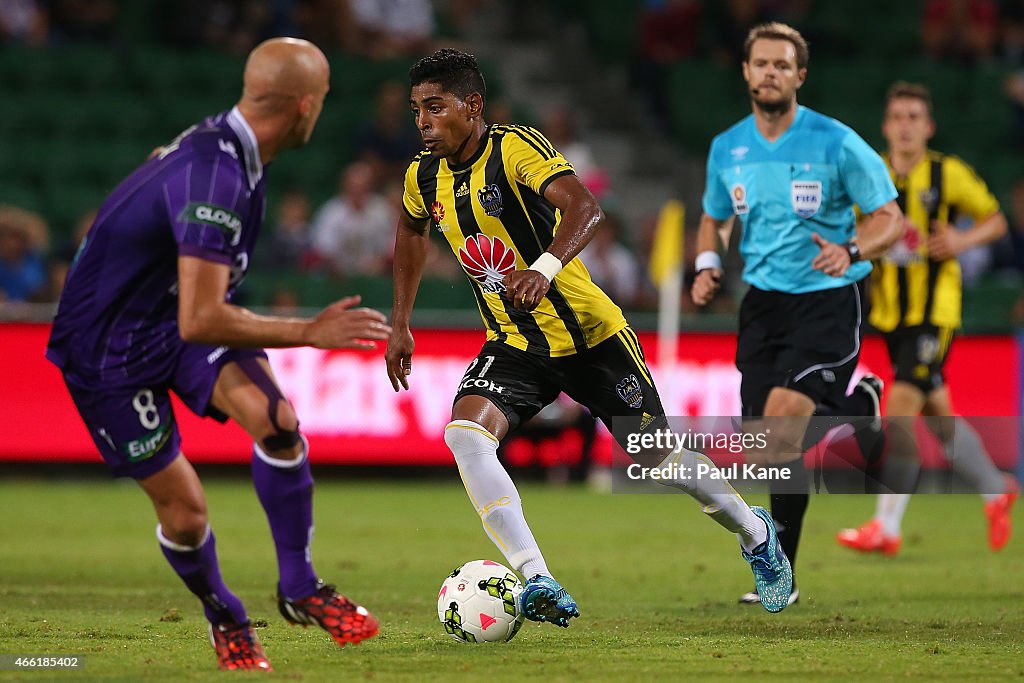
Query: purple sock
{"points": [[287, 497], [199, 569]]}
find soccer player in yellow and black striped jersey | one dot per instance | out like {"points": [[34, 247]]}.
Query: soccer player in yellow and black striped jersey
{"points": [[915, 303], [516, 216]]}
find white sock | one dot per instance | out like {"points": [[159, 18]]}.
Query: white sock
{"points": [[494, 496], [889, 509], [968, 458], [717, 496]]}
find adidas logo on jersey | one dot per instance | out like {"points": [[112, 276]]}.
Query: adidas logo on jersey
{"points": [[463, 190]]}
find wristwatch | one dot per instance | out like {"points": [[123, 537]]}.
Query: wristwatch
{"points": [[854, 251]]}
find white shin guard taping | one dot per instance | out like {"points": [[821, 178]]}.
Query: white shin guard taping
{"points": [[494, 495], [278, 462], [171, 545]]}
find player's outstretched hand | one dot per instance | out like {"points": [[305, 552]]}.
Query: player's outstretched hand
{"points": [[833, 259], [399, 357], [526, 288], [340, 326], [706, 285]]}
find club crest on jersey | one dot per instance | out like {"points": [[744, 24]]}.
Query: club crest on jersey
{"points": [[629, 391], [490, 199], [487, 260], [929, 199], [437, 212], [806, 197]]}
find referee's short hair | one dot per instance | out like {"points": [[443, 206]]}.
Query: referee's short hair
{"points": [[905, 89], [776, 30]]}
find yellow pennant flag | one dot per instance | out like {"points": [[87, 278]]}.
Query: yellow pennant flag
{"points": [[667, 249]]}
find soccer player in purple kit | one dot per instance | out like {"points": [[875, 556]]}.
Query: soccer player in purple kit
{"points": [[147, 310]]}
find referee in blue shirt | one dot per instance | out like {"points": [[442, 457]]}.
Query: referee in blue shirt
{"points": [[793, 177]]}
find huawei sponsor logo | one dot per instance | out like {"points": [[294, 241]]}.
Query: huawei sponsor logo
{"points": [[487, 260]]}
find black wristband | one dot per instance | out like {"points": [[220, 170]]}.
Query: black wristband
{"points": [[854, 251]]}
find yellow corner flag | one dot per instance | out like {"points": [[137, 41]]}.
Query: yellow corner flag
{"points": [[667, 249]]}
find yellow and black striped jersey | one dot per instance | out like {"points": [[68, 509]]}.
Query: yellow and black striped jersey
{"points": [[492, 211], [907, 288]]}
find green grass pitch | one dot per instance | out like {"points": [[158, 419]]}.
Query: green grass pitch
{"points": [[81, 573]]}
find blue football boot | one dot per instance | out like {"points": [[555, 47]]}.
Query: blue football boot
{"points": [[773, 574], [544, 599]]}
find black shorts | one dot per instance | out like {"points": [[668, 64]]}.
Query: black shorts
{"points": [[610, 379], [918, 354], [806, 342]]}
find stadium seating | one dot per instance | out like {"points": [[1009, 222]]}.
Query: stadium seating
{"points": [[75, 120], [610, 24]]}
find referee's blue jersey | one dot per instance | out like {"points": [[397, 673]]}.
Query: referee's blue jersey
{"points": [[807, 181]]}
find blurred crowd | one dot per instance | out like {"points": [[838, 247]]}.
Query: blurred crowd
{"points": [[971, 31], [350, 235], [375, 28], [965, 32]]}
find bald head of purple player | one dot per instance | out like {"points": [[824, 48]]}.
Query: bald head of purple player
{"points": [[285, 82]]}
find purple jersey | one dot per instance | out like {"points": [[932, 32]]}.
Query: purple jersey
{"points": [[203, 196]]}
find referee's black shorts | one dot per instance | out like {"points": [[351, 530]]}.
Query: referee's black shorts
{"points": [[806, 342], [610, 379]]}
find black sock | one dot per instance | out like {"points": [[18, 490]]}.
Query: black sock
{"points": [[858, 411], [789, 501], [856, 403], [823, 421]]}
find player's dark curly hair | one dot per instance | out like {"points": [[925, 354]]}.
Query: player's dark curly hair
{"points": [[455, 71]]}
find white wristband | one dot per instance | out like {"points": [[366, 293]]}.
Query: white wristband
{"points": [[548, 265], [708, 259]]}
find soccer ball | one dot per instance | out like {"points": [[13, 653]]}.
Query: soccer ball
{"points": [[479, 603]]}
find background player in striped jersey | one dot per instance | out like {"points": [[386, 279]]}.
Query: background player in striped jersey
{"points": [[915, 303], [793, 177], [147, 309], [516, 216]]}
